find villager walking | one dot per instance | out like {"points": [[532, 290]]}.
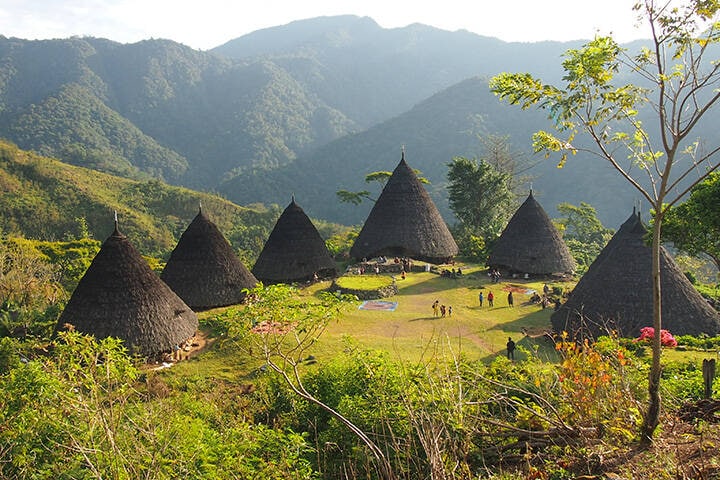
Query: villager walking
{"points": [[436, 308], [442, 310]]}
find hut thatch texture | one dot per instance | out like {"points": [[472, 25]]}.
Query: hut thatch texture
{"points": [[294, 251], [204, 270], [615, 294], [120, 296], [530, 243], [405, 222]]}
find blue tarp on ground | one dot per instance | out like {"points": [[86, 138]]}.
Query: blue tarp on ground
{"points": [[378, 305]]}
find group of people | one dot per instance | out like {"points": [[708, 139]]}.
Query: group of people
{"points": [[545, 300], [494, 275], [490, 298], [451, 273], [441, 310]]}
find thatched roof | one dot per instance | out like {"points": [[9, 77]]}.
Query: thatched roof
{"points": [[616, 292], [294, 251], [120, 296], [405, 222], [204, 270], [531, 244]]}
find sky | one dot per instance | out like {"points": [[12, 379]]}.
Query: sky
{"points": [[209, 23]]}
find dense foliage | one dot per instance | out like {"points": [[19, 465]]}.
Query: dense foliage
{"points": [[481, 198], [583, 233], [87, 411], [694, 225]]}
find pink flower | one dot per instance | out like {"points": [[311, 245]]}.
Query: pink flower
{"points": [[666, 338]]}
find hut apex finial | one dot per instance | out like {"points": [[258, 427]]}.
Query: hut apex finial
{"points": [[116, 221], [292, 198], [402, 149], [199, 206]]}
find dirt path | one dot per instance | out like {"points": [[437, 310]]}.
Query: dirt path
{"points": [[200, 343]]}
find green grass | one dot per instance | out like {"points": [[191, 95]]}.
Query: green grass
{"points": [[411, 332], [364, 282]]}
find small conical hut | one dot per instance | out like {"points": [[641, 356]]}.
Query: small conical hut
{"points": [[294, 251], [530, 243], [120, 296], [404, 222], [204, 270], [615, 294]]}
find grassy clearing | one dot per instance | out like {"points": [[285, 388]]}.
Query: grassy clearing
{"points": [[411, 332]]}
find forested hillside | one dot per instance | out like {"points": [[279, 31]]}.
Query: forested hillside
{"points": [[156, 108], [303, 108], [46, 199], [372, 73], [448, 124]]}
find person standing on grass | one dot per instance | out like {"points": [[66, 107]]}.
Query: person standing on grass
{"points": [[510, 349], [436, 308], [480, 298], [510, 299], [491, 299]]}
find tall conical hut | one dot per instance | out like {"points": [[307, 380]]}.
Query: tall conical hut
{"points": [[120, 296], [204, 270], [405, 222], [530, 243], [294, 251], [616, 294]]}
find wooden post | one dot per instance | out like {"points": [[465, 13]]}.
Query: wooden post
{"points": [[708, 376]]}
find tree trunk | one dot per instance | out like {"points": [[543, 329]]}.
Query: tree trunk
{"points": [[652, 416]]}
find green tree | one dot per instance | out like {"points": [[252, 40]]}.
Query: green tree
{"points": [[583, 232], [679, 86], [30, 290], [481, 199], [694, 225], [283, 329]]}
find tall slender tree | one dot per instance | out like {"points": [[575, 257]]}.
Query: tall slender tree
{"points": [[679, 75]]}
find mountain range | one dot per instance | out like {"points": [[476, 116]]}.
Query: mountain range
{"points": [[306, 108]]}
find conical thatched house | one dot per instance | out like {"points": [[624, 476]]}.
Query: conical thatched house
{"points": [[120, 296], [294, 251], [405, 222], [531, 244], [616, 292], [204, 270]]}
